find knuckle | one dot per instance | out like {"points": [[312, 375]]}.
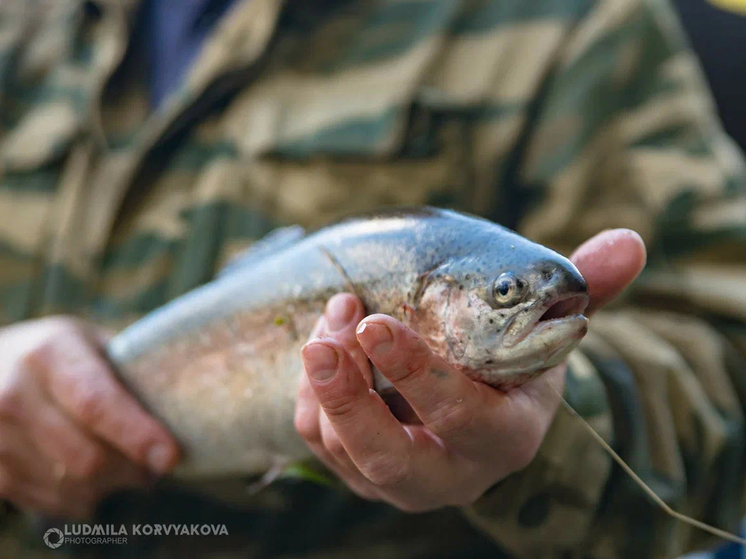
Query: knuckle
{"points": [[88, 404], [334, 445], [40, 356], [452, 417], [339, 406], [58, 330], [410, 371], [414, 365], [11, 403], [386, 471], [306, 427], [89, 464]]}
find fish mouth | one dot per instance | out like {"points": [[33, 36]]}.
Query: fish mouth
{"points": [[563, 312]]}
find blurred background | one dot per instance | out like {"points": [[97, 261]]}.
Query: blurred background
{"points": [[717, 32]]}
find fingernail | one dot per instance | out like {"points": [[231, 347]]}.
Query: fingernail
{"points": [[321, 361], [339, 312], [159, 458], [378, 337]]}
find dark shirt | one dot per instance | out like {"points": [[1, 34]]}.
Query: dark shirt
{"points": [[174, 31], [719, 37]]}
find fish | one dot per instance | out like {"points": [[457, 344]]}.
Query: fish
{"points": [[220, 365]]}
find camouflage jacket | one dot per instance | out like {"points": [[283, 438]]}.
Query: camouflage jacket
{"points": [[555, 118]]}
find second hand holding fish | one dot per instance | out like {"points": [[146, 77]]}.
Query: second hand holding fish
{"points": [[466, 436]]}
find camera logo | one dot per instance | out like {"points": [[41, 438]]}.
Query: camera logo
{"points": [[53, 538]]}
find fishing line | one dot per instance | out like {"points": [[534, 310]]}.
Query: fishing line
{"points": [[658, 501]]}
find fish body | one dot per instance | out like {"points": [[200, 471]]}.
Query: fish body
{"points": [[220, 365]]}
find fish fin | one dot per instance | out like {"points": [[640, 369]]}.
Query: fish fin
{"points": [[268, 478], [270, 244], [307, 472], [284, 469]]}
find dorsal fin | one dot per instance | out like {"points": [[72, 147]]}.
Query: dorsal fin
{"points": [[270, 244]]}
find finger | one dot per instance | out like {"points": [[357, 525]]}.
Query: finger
{"points": [[59, 443], [88, 466], [335, 457], [30, 482], [308, 417], [376, 442], [354, 481], [116, 473], [307, 408], [343, 313], [32, 497], [20, 458], [63, 442], [610, 262], [53, 481], [82, 385], [333, 444], [41, 437], [446, 401]]}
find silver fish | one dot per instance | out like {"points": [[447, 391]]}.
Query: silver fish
{"points": [[220, 365]]}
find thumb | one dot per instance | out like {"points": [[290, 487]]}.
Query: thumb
{"points": [[610, 262]]}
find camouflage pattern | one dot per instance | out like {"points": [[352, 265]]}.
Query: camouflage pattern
{"points": [[556, 118]]}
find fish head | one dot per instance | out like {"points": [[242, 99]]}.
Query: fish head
{"points": [[502, 320]]}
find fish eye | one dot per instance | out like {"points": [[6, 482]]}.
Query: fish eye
{"points": [[509, 289]]}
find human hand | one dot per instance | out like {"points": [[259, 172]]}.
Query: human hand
{"points": [[471, 436], [69, 432]]}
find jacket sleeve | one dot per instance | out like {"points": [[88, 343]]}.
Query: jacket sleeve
{"points": [[625, 135]]}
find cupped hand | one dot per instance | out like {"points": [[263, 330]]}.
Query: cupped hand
{"points": [[471, 436], [69, 432]]}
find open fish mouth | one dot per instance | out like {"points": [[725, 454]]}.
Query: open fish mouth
{"points": [[562, 314]]}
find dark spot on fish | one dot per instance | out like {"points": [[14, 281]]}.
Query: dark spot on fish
{"points": [[467, 276], [489, 362], [492, 321], [460, 287], [439, 373], [547, 274]]}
